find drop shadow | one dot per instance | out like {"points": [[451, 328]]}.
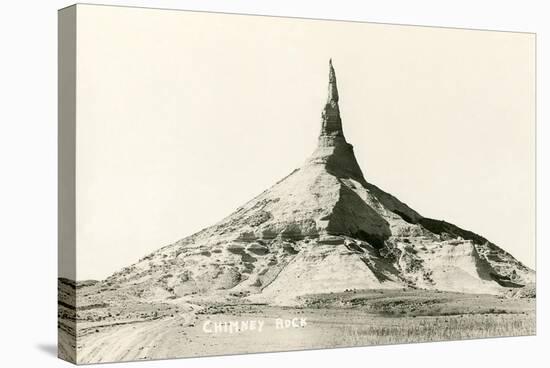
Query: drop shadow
{"points": [[49, 349]]}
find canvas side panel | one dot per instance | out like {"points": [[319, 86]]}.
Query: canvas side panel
{"points": [[66, 259]]}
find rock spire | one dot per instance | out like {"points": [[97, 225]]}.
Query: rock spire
{"points": [[333, 151], [331, 122]]}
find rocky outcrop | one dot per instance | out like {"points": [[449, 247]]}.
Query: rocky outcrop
{"points": [[324, 228], [331, 125]]}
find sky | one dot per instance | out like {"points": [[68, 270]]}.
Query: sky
{"points": [[184, 116]]}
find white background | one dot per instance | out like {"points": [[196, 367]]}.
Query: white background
{"points": [[28, 186]]}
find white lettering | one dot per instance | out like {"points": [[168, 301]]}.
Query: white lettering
{"points": [[205, 327], [236, 326]]}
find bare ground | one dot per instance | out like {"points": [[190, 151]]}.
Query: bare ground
{"points": [[352, 318]]}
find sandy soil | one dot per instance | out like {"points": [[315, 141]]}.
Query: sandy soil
{"points": [[351, 318]]}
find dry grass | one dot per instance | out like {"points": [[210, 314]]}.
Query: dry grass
{"points": [[412, 330], [351, 318]]}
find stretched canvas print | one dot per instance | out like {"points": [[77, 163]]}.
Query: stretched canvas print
{"points": [[234, 184]]}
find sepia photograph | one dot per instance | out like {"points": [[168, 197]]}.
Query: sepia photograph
{"points": [[233, 184]]}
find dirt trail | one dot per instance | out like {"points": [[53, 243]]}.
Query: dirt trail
{"points": [[325, 327]]}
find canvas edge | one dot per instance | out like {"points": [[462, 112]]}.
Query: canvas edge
{"points": [[67, 180]]}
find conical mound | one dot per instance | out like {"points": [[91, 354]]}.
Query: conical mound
{"points": [[324, 228]]}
